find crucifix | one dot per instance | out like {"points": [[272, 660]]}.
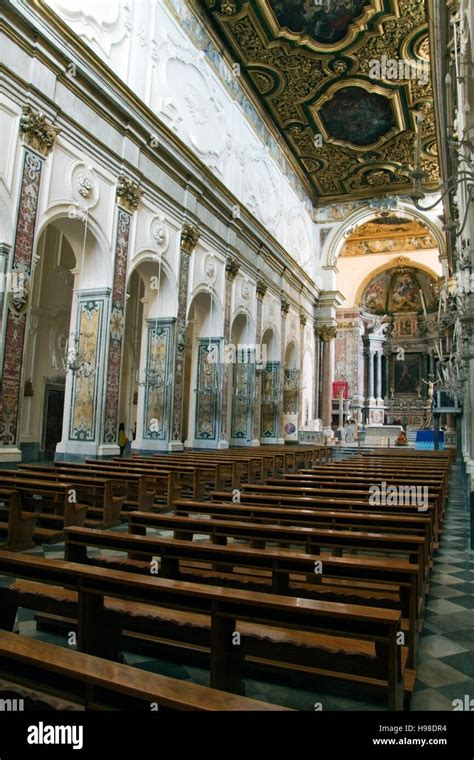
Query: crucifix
{"points": [[341, 408]]}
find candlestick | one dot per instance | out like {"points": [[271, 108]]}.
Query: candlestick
{"points": [[423, 304]]}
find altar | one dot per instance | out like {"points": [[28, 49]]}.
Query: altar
{"points": [[383, 435]]}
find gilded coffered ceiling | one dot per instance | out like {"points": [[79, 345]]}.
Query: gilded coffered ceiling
{"points": [[342, 81]]}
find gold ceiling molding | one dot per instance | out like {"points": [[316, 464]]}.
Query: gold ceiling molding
{"points": [[351, 133]]}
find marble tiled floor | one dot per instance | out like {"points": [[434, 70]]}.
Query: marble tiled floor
{"points": [[446, 662]]}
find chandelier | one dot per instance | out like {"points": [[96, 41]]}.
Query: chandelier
{"points": [[75, 358], [462, 150], [155, 374]]}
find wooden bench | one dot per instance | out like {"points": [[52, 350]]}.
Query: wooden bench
{"points": [[336, 629], [99, 684], [103, 496], [278, 564], [321, 499], [315, 502], [140, 492], [409, 488], [192, 472], [417, 524], [41, 495], [19, 526]]}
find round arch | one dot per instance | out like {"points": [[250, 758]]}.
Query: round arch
{"points": [[270, 340], [243, 311], [146, 266], [363, 215], [60, 217], [217, 305], [292, 352]]}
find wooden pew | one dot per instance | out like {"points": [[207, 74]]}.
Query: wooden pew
{"points": [[322, 498], [107, 599], [99, 684], [229, 470], [19, 526], [280, 564], [358, 484], [197, 474], [312, 539], [169, 479], [104, 496], [49, 500], [397, 466], [417, 524], [140, 493]]}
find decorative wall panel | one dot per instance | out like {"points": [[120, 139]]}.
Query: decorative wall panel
{"points": [[85, 388], [117, 321], [157, 402], [242, 399], [270, 400], [208, 390], [18, 299]]}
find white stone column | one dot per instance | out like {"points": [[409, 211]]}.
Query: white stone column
{"points": [[379, 376], [370, 358]]}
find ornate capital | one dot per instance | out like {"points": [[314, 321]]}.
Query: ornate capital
{"points": [[326, 332], [232, 266], [303, 319], [285, 307], [128, 194], [189, 237], [261, 289], [38, 133]]}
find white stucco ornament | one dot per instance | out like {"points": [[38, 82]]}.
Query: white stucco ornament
{"points": [[84, 185], [159, 234]]}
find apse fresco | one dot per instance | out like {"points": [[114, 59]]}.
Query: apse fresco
{"points": [[398, 290], [326, 22], [357, 116], [375, 296]]}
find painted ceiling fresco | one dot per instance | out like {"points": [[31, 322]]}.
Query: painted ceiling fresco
{"points": [[349, 126], [325, 22], [398, 290], [389, 234]]}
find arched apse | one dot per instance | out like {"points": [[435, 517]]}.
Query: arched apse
{"points": [[385, 268]]}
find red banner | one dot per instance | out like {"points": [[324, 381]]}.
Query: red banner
{"points": [[337, 387]]}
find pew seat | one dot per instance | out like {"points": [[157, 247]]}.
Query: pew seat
{"points": [[97, 683]]}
